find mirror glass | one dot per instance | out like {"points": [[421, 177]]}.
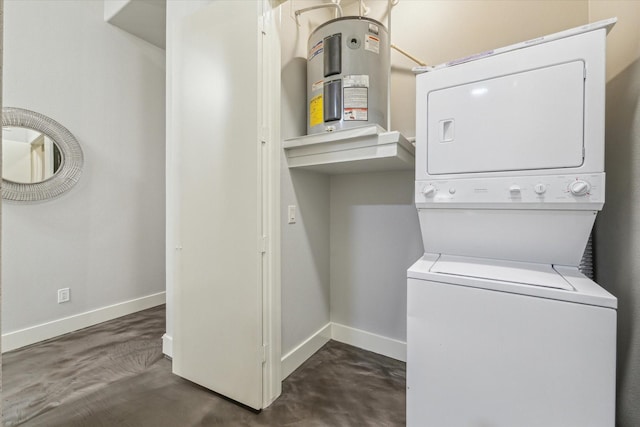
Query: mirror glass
{"points": [[28, 156]]}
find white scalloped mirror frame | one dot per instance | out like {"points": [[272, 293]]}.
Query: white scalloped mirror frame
{"points": [[70, 168]]}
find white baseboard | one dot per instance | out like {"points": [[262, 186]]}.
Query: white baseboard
{"points": [[367, 341], [345, 334], [167, 346], [296, 357], [44, 331]]}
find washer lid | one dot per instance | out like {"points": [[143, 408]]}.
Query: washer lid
{"points": [[556, 282], [505, 271]]}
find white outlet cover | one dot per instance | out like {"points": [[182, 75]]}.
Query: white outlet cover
{"points": [[64, 295]]}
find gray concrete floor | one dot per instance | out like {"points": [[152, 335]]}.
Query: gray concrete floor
{"points": [[114, 374]]}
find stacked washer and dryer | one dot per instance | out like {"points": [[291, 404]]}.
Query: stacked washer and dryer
{"points": [[503, 329]]}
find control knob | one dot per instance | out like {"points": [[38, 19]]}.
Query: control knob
{"points": [[579, 188], [540, 189], [429, 190]]}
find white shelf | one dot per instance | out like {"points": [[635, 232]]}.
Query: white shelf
{"points": [[363, 149]]}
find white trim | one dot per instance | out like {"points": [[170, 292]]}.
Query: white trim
{"points": [[54, 328], [356, 337], [296, 357], [272, 152], [366, 340], [167, 346]]}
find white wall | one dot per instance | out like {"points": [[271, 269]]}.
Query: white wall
{"points": [[105, 238], [617, 240], [375, 237], [305, 244], [305, 256]]}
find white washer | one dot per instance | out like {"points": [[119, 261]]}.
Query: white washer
{"points": [[491, 352], [503, 330]]}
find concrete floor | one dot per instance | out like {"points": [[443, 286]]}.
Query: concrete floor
{"points": [[114, 374]]}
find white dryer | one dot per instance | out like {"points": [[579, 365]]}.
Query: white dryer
{"points": [[503, 330]]}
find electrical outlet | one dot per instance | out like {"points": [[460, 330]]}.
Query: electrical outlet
{"points": [[64, 295]]}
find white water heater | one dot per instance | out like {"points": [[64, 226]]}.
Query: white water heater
{"points": [[347, 75]]}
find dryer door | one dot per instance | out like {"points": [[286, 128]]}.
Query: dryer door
{"points": [[522, 121]]}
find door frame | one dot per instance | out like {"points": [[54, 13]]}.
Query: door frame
{"points": [[271, 277]]}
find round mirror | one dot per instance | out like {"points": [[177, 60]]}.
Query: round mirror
{"points": [[41, 159], [28, 156]]}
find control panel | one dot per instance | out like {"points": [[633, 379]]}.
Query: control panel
{"points": [[515, 192]]}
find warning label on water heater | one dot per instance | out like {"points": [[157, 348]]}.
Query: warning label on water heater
{"points": [[372, 43], [355, 97], [316, 50], [356, 103], [315, 111], [317, 85], [356, 80]]}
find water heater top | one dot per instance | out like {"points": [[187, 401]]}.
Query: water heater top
{"points": [[349, 18]]}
